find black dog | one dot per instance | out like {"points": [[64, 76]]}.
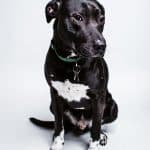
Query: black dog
{"points": [[76, 71]]}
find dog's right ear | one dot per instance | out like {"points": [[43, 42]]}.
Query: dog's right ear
{"points": [[52, 9]]}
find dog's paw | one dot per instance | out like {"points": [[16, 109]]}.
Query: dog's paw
{"points": [[103, 140], [57, 146], [58, 142], [94, 145]]}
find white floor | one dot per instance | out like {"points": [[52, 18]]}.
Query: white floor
{"points": [[25, 38]]}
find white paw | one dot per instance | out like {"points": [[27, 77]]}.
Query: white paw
{"points": [[94, 145], [103, 140], [57, 146], [58, 142]]}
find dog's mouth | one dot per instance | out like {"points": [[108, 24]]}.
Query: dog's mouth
{"points": [[82, 53]]}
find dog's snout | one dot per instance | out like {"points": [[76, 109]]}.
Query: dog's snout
{"points": [[99, 45]]}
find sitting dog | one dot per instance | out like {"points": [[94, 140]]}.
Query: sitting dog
{"points": [[76, 72]]}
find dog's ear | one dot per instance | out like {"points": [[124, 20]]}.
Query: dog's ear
{"points": [[102, 22], [102, 18], [52, 9]]}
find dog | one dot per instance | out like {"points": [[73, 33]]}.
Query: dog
{"points": [[77, 73]]}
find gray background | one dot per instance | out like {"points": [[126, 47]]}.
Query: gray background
{"points": [[25, 38]]}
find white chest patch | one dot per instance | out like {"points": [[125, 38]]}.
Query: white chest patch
{"points": [[70, 91]]}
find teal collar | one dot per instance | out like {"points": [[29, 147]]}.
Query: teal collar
{"points": [[68, 60]]}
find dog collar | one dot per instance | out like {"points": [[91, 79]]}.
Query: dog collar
{"points": [[68, 60]]}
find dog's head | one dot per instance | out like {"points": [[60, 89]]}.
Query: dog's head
{"points": [[80, 23]]}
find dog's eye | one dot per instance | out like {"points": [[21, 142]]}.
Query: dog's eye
{"points": [[102, 19], [97, 12], [77, 17]]}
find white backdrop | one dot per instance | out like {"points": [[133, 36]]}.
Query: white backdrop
{"points": [[25, 39]]}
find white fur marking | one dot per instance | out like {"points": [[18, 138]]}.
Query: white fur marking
{"points": [[90, 124], [72, 55], [94, 145], [52, 75], [80, 108], [71, 91], [71, 117], [58, 142]]}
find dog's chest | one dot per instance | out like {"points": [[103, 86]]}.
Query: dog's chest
{"points": [[70, 91]]}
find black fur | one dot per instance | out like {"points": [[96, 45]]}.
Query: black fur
{"points": [[78, 25]]}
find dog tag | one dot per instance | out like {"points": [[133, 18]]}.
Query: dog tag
{"points": [[76, 71]]}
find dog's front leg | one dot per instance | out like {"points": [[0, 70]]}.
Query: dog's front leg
{"points": [[58, 138], [98, 106]]}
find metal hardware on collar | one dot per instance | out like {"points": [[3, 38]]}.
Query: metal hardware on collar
{"points": [[76, 71], [76, 68], [68, 60]]}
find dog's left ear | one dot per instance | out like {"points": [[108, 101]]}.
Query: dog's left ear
{"points": [[52, 9]]}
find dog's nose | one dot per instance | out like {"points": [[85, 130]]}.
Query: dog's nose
{"points": [[99, 45]]}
